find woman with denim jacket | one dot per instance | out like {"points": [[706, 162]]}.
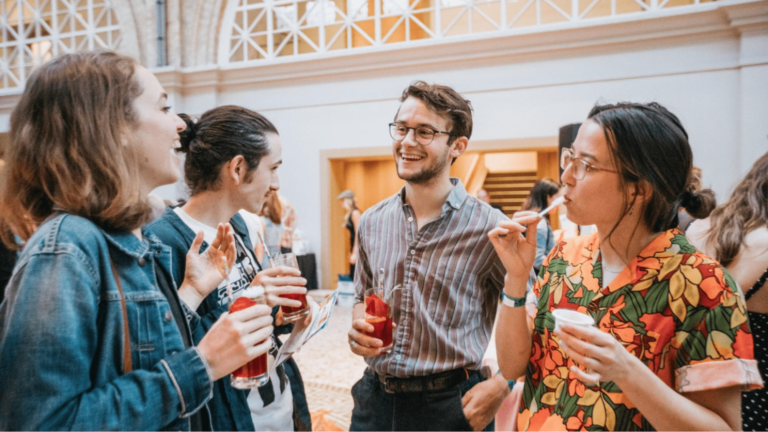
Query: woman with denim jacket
{"points": [[232, 157], [92, 333]]}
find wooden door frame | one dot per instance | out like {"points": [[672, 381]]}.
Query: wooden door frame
{"points": [[327, 200]]}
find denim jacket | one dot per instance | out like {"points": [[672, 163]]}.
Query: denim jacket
{"points": [[61, 336], [229, 407]]}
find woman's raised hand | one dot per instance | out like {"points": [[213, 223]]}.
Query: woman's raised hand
{"points": [[516, 251], [205, 271], [281, 280]]}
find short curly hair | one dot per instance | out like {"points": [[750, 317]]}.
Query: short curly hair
{"points": [[447, 103]]}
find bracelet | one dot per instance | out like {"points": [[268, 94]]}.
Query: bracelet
{"points": [[512, 302], [510, 383]]}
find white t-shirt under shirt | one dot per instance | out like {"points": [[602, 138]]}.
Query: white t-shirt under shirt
{"points": [[277, 414]]}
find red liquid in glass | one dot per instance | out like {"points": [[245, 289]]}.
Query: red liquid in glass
{"points": [[292, 310], [382, 329], [258, 366]]}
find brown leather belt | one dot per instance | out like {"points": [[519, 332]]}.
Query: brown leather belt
{"points": [[428, 383]]}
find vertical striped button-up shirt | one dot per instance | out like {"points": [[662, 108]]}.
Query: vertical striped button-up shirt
{"points": [[451, 281]]}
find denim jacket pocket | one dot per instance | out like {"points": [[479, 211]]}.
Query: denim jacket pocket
{"points": [[147, 312]]}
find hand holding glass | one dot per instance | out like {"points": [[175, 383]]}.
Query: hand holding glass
{"points": [[291, 314]]}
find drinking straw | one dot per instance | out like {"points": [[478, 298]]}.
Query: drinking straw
{"points": [[266, 250], [554, 204]]}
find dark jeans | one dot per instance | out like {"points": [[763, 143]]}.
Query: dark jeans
{"points": [[377, 410]]}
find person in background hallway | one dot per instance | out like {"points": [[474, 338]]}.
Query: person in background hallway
{"points": [[272, 226], [430, 238], [684, 217], [542, 194], [672, 349], [289, 221], [232, 157], [736, 234], [94, 336], [485, 197], [351, 221]]}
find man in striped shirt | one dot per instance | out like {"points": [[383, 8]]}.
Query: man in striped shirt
{"points": [[431, 239]]}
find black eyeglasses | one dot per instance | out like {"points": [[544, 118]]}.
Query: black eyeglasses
{"points": [[424, 135]]}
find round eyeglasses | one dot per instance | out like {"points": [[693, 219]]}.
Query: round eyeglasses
{"points": [[424, 135], [580, 166]]}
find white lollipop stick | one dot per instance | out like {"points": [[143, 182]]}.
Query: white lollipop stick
{"points": [[554, 204]]}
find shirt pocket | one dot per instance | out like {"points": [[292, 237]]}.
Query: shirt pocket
{"points": [[454, 298], [150, 321]]}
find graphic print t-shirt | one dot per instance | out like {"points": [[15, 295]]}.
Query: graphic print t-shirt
{"points": [[272, 405]]}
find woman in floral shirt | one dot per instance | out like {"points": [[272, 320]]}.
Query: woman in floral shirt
{"points": [[671, 348]]}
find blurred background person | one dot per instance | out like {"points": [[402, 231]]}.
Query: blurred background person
{"points": [[485, 197], [272, 225], [542, 194], [736, 234], [684, 218], [351, 219], [289, 221]]}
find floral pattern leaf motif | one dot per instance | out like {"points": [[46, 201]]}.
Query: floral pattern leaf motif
{"points": [[678, 309]]}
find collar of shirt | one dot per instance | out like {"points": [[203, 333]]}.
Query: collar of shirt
{"points": [[455, 198]]}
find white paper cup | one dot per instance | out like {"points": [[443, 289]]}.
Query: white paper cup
{"points": [[571, 317]]}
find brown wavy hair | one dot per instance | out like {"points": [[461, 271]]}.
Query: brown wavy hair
{"points": [[273, 209], [745, 211], [67, 148]]}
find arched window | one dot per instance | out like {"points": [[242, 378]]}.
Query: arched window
{"points": [[35, 31], [265, 30]]}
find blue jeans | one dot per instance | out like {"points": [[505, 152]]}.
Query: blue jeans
{"points": [[377, 410]]}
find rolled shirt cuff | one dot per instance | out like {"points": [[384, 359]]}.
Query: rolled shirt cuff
{"points": [[718, 374]]}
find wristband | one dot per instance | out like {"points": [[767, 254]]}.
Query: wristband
{"points": [[512, 302], [510, 383]]}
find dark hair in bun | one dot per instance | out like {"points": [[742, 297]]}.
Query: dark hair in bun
{"points": [[649, 146], [219, 136]]}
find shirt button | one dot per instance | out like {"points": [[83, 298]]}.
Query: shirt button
{"points": [[168, 316], [398, 357], [142, 262], [410, 219], [413, 251]]}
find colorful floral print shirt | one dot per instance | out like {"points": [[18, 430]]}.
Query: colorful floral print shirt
{"points": [[673, 307]]}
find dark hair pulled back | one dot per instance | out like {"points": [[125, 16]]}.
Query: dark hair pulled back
{"points": [[219, 136], [650, 148]]}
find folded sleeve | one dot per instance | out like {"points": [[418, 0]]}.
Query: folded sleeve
{"points": [[714, 342]]}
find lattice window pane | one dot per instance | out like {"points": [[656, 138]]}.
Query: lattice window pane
{"points": [[267, 29], [35, 31]]}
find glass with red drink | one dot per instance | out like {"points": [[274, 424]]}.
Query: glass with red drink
{"points": [[290, 313], [255, 373], [379, 309]]}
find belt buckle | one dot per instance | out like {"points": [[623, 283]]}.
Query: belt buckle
{"points": [[389, 385]]}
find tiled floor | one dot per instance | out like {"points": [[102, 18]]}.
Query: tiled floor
{"points": [[330, 369]]}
